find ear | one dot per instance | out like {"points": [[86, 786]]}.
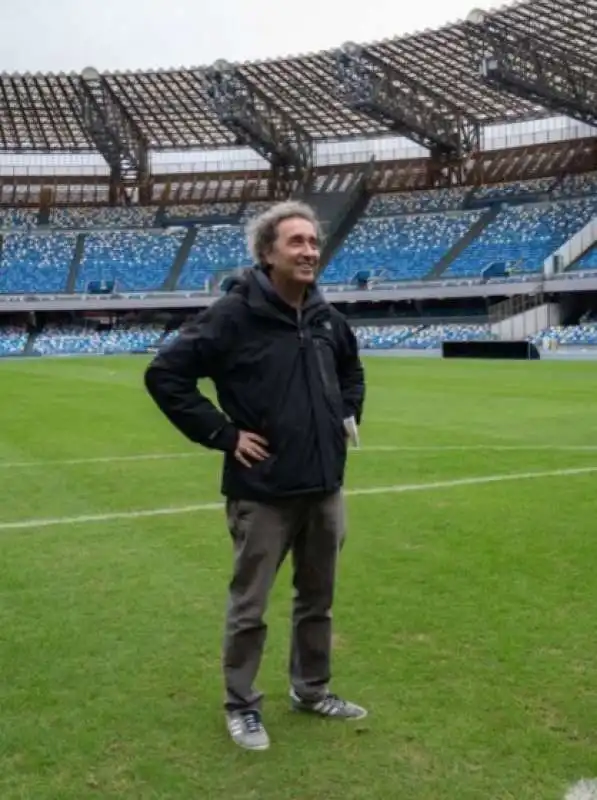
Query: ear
{"points": [[266, 256]]}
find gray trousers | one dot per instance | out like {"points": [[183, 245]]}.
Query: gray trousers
{"points": [[312, 529]]}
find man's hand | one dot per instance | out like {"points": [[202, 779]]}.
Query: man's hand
{"points": [[250, 446]]}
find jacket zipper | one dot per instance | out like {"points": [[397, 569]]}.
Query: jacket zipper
{"points": [[301, 336]]}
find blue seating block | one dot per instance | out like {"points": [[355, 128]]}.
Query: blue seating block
{"points": [[35, 264], [135, 261]]}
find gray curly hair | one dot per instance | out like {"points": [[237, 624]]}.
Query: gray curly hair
{"points": [[262, 230]]}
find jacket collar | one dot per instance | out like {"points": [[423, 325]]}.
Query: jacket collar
{"points": [[263, 299]]}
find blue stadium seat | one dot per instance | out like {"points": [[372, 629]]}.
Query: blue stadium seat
{"points": [[36, 264], [21, 218], [132, 217], [400, 237], [419, 202], [74, 339], [12, 340], [524, 236], [216, 249], [136, 261], [503, 191], [582, 335], [404, 248], [418, 337]]}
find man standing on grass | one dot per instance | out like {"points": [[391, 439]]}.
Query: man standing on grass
{"points": [[287, 374]]}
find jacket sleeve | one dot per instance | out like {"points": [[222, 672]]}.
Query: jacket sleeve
{"points": [[351, 374], [171, 380]]}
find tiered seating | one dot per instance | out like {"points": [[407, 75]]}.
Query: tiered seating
{"points": [[215, 249], [418, 337], [432, 336], [135, 261], [204, 210], [136, 217], [420, 202], [524, 236], [253, 209], [402, 247], [35, 264], [75, 339], [384, 337], [22, 218], [584, 335], [576, 186], [12, 340], [503, 191], [400, 237]]}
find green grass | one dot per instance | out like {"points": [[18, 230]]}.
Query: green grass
{"points": [[465, 616]]}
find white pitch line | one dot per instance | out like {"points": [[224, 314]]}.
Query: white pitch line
{"points": [[369, 490], [373, 448], [73, 462]]}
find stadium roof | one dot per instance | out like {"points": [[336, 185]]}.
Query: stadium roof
{"points": [[41, 113]]}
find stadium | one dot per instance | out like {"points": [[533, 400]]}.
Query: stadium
{"points": [[455, 174]]}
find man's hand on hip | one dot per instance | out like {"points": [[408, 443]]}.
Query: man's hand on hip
{"points": [[250, 447]]}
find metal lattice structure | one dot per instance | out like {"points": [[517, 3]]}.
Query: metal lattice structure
{"points": [[263, 124], [171, 110], [402, 103], [520, 57], [116, 136]]}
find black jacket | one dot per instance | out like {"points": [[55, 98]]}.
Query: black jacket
{"points": [[290, 377]]}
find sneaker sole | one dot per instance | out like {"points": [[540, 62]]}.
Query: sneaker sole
{"points": [[246, 746], [251, 746]]}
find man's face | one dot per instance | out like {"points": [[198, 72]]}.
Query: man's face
{"points": [[294, 256]]}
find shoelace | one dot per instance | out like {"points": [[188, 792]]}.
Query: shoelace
{"points": [[252, 722], [332, 701]]}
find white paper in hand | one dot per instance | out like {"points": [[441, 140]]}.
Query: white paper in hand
{"points": [[350, 426]]}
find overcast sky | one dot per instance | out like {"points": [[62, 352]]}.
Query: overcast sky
{"points": [[67, 35]]}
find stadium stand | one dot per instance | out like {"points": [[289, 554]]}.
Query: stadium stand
{"points": [[85, 218], [583, 335], [400, 236], [404, 248], [20, 218], [35, 264], [76, 339], [467, 193], [79, 339], [395, 204], [216, 249], [12, 340], [135, 261], [524, 236]]}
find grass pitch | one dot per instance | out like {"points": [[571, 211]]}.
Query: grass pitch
{"points": [[465, 615]]}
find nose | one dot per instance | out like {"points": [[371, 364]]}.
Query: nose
{"points": [[311, 250]]}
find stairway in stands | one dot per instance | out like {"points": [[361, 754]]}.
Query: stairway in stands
{"points": [[338, 200]]}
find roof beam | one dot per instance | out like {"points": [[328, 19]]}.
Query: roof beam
{"points": [[116, 136], [405, 105], [260, 123], [528, 66]]}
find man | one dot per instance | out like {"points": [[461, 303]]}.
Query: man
{"points": [[287, 374]]}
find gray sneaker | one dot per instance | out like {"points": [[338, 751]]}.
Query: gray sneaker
{"points": [[246, 730], [330, 706]]}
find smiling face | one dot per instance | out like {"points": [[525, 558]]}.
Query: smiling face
{"points": [[294, 254]]}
